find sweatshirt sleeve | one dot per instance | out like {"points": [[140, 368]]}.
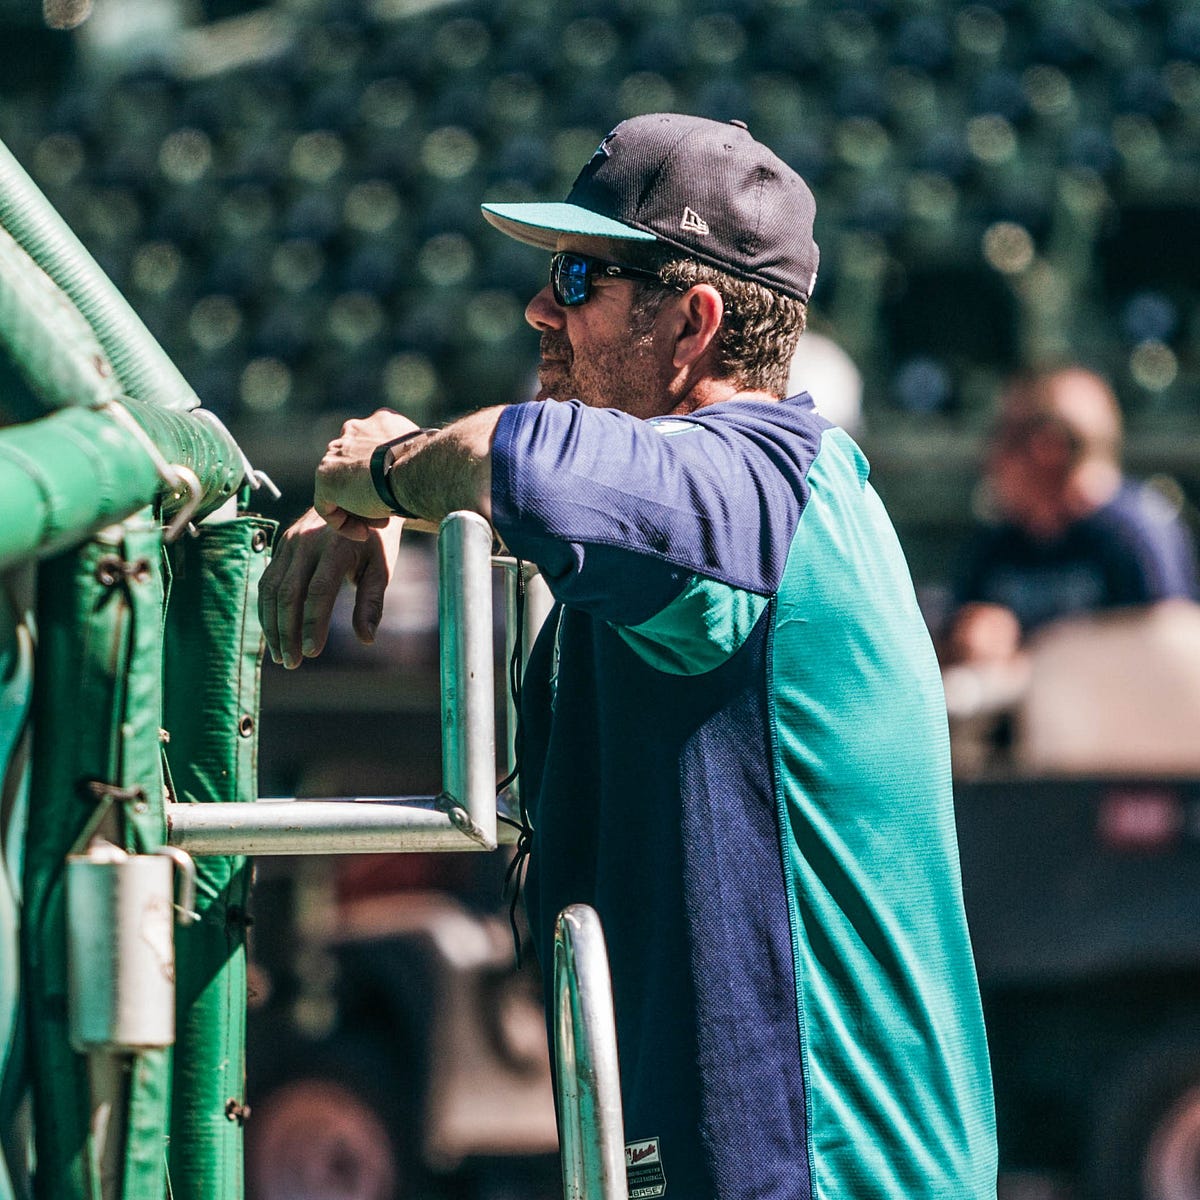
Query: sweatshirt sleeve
{"points": [[620, 514]]}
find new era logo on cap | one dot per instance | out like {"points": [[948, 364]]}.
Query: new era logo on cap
{"points": [[693, 222]]}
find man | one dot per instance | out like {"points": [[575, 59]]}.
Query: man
{"points": [[1074, 537], [734, 735]]}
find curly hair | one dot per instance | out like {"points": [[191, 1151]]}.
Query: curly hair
{"points": [[759, 331]]}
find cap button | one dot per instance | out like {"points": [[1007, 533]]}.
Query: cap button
{"points": [[740, 124]]}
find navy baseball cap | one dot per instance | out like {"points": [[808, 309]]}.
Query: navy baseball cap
{"points": [[705, 188]]}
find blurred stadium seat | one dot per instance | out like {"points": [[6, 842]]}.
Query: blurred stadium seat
{"points": [[1118, 695], [335, 180]]}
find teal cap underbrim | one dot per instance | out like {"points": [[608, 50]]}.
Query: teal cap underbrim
{"points": [[541, 224]]}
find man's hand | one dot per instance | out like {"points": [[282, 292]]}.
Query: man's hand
{"points": [[298, 589], [345, 496]]}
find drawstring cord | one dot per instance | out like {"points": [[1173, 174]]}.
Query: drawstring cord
{"points": [[514, 876]]}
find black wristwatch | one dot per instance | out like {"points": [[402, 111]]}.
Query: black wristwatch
{"points": [[382, 461]]}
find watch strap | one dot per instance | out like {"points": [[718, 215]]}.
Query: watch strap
{"points": [[381, 464]]}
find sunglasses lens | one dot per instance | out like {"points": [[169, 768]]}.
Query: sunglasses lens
{"points": [[570, 278]]}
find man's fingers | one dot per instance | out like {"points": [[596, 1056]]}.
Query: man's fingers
{"points": [[290, 606], [341, 559], [300, 586], [369, 592], [375, 572], [322, 594], [355, 529], [285, 585], [268, 592]]}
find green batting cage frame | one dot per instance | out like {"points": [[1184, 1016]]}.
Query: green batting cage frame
{"points": [[130, 658]]}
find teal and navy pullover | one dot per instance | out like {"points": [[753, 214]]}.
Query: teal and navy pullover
{"points": [[735, 749]]}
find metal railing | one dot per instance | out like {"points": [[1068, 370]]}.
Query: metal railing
{"points": [[591, 1125], [462, 816]]}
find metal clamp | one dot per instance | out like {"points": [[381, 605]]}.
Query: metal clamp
{"points": [[120, 944], [254, 477], [189, 482], [182, 480], [185, 869]]}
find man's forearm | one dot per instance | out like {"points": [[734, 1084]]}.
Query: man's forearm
{"points": [[450, 470]]}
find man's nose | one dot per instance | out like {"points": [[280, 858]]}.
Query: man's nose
{"points": [[544, 312]]}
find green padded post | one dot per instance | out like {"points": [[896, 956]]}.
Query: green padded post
{"points": [[68, 474], [77, 470], [96, 717], [47, 338], [213, 666], [16, 685], [141, 365]]}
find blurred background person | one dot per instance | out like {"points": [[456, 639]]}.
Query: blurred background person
{"points": [[1074, 536]]}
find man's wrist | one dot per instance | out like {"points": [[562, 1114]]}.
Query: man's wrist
{"points": [[383, 460]]}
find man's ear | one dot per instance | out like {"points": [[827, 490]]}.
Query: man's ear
{"points": [[699, 312]]}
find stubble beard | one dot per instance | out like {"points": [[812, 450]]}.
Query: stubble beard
{"points": [[622, 375]]}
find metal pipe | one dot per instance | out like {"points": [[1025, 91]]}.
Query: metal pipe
{"points": [[78, 470], [350, 825], [463, 817], [108, 1071], [511, 568], [537, 605], [145, 371], [47, 339], [591, 1123], [201, 833], [64, 476], [467, 674]]}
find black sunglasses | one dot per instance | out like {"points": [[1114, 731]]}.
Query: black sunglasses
{"points": [[572, 275]]}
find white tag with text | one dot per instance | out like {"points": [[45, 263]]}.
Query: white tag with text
{"points": [[644, 1170]]}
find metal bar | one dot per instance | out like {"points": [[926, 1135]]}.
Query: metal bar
{"points": [[538, 603], [463, 817], [353, 825], [322, 826], [511, 567], [468, 677], [591, 1122], [537, 606]]}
